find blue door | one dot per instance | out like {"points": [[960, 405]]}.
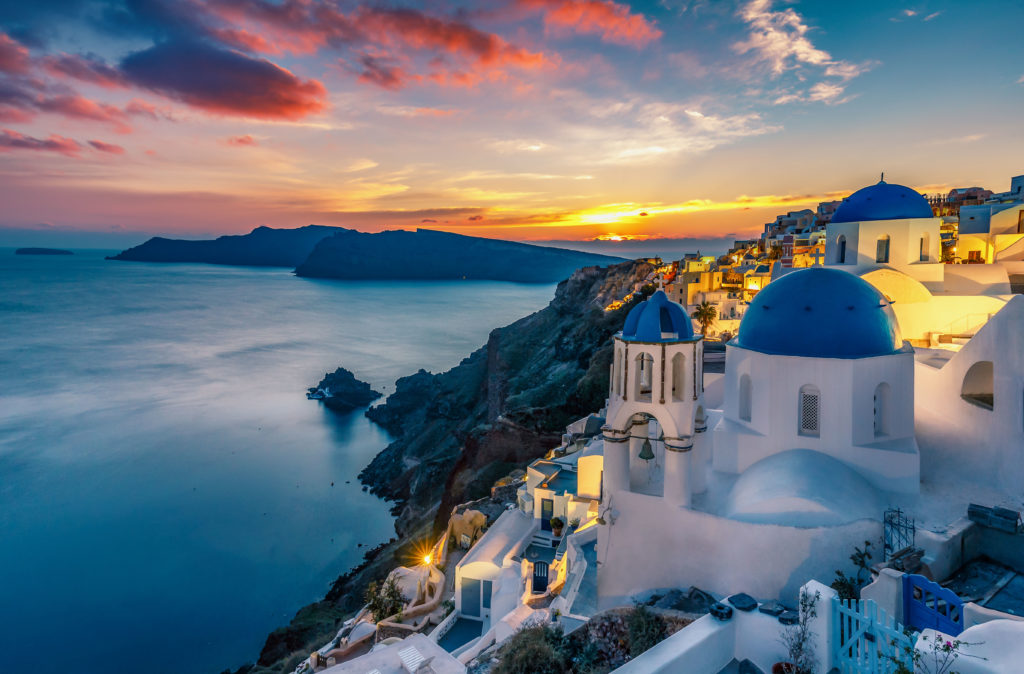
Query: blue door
{"points": [[471, 597], [540, 577], [547, 511]]}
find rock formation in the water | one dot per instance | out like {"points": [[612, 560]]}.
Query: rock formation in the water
{"points": [[42, 251], [431, 255], [262, 247], [341, 391]]}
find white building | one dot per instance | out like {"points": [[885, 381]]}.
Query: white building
{"points": [[819, 364], [886, 234]]}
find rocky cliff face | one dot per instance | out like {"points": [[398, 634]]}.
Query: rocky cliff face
{"points": [[457, 432], [506, 404]]}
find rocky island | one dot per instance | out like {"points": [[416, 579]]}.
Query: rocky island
{"points": [[346, 254], [42, 251], [459, 431], [342, 392], [262, 247]]}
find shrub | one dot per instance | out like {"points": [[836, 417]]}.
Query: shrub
{"points": [[557, 523], [535, 650], [848, 587], [645, 629], [384, 600]]}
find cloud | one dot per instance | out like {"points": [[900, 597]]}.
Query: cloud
{"points": [[86, 68], [1020, 80], [14, 56], [106, 147], [241, 141], [613, 21], [909, 12], [411, 111], [12, 140], [74, 106], [779, 40], [475, 218], [933, 15], [518, 145], [389, 47], [223, 81]]}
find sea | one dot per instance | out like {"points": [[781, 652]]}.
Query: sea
{"points": [[168, 495]]}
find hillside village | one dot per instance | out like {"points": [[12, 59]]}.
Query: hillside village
{"points": [[809, 460]]}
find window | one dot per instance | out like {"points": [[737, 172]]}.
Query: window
{"points": [[841, 249], [881, 409], [979, 385], [678, 377], [882, 249], [1020, 221], [744, 406], [617, 385], [809, 411], [923, 257], [644, 377]]}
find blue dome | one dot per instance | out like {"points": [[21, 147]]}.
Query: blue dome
{"points": [[821, 313], [657, 319], [882, 202]]}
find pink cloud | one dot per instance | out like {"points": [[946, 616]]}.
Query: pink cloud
{"points": [[74, 106], [109, 148], [87, 68], [14, 57], [12, 140], [241, 141]]}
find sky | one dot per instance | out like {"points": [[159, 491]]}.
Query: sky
{"points": [[579, 121]]}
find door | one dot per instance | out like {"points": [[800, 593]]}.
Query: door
{"points": [[486, 598], [547, 511], [471, 597], [540, 577]]}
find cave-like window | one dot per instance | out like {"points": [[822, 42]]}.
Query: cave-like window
{"points": [[979, 385]]}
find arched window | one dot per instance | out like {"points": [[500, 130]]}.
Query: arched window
{"points": [[924, 257], [882, 249], [979, 385], [744, 406], [809, 411], [678, 377], [841, 249], [644, 378], [617, 369], [881, 409]]}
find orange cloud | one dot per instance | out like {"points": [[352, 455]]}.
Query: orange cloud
{"points": [[614, 22], [12, 140]]}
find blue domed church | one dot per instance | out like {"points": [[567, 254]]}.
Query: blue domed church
{"points": [[819, 364]]}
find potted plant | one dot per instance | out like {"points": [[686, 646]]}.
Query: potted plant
{"points": [[799, 639], [557, 524], [574, 524]]}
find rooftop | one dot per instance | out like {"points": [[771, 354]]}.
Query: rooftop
{"points": [[389, 660], [502, 538]]}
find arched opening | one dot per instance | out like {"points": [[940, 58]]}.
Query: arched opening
{"points": [[979, 385], [744, 406], [882, 249], [924, 257], [617, 379], [678, 377], [644, 378], [881, 409], [841, 249], [809, 411]]}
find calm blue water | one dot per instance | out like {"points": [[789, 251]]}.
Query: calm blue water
{"points": [[165, 487]]}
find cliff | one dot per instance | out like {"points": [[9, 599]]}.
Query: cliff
{"points": [[506, 404], [457, 432], [262, 247], [431, 255]]}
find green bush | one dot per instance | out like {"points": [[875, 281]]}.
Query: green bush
{"points": [[384, 600], [645, 629], [535, 650]]}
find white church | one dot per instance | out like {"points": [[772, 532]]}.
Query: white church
{"points": [[827, 414]]}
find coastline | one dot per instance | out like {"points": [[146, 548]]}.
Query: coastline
{"points": [[462, 429]]}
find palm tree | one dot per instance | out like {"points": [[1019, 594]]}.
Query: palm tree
{"points": [[705, 314]]}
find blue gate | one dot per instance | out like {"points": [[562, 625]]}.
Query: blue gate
{"points": [[865, 640], [928, 605]]}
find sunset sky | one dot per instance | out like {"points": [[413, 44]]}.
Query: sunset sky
{"points": [[533, 120]]}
